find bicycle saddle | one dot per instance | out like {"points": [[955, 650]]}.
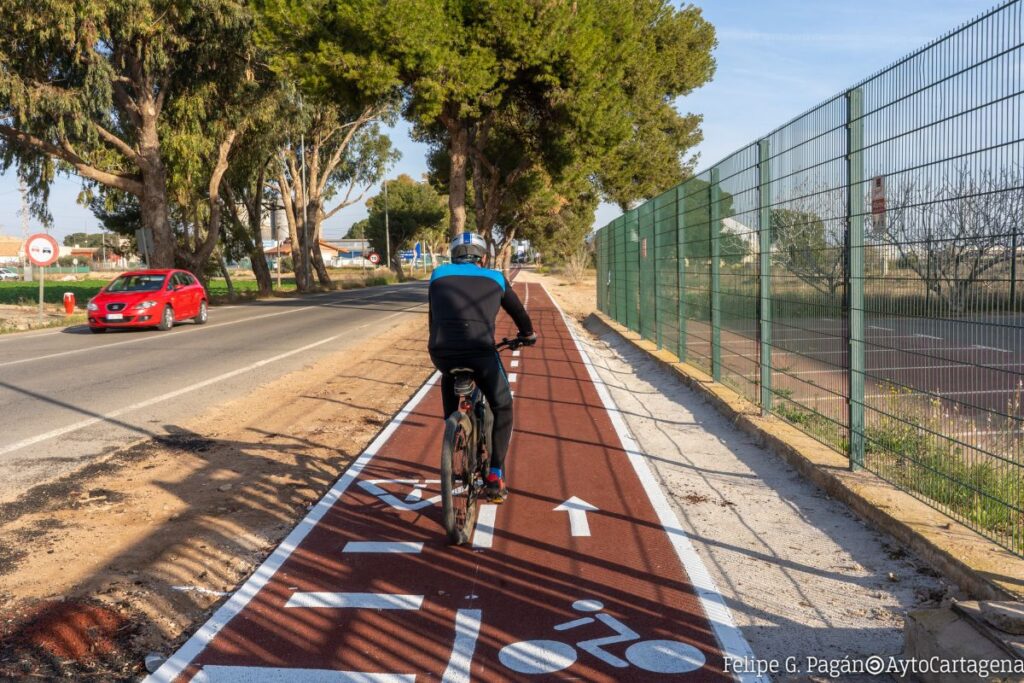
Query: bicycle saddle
{"points": [[464, 384]]}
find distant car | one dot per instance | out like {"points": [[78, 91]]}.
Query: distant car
{"points": [[148, 298], [9, 274]]}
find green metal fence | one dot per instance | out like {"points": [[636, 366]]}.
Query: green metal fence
{"points": [[856, 272]]}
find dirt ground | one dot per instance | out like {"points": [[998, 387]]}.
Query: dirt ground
{"points": [[803, 576], [126, 557], [21, 318]]}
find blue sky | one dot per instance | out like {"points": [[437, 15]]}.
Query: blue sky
{"points": [[776, 59]]}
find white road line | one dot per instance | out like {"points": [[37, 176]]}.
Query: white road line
{"points": [[185, 655], [219, 673], [992, 348], [467, 630], [74, 427], [152, 337], [910, 367], [197, 328], [730, 638], [515, 354], [514, 364], [879, 327], [927, 394], [512, 378], [483, 535], [382, 547], [356, 600], [928, 336]]}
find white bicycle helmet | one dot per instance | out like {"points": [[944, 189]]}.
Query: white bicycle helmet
{"points": [[468, 247]]}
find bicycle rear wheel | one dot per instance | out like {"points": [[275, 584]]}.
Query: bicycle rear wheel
{"points": [[458, 495]]}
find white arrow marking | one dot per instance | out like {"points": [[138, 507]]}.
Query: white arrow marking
{"points": [[577, 509]]}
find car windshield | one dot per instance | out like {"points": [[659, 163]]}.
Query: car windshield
{"points": [[136, 283]]}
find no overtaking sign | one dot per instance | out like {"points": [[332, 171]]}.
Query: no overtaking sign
{"points": [[42, 250]]}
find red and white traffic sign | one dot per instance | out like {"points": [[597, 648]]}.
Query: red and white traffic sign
{"points": [[373, 257], [42, 250]]}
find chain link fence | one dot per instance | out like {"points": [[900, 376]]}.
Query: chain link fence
{"points": [[857, 272]]}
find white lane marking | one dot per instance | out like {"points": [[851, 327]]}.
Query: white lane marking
{"points": [[577, 509], [512, 378], [194, 329], [170, 669], [729, 637], [467, 630], [514, 364], [911, 392], [152, 337], [356, 600], [220, 673], [992, 348], [483, 535], [413, 500], [61, 431], [928, 336], [908, 367], [515, 354], [382, 547], [879, 327], [54, 433]]}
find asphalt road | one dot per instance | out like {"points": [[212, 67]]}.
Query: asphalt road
{"points": [[69, 396]]}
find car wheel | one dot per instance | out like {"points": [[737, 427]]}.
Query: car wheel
{"points": [[203, 316], [97, 330], [167, 319]]}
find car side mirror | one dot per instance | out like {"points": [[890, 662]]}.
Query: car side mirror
{"points": [[178, 286]]}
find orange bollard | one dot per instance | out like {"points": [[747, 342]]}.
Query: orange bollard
{"points": [[69, 302]]}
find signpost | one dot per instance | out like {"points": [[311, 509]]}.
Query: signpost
{"points": [[42, 250], [878, 206]]}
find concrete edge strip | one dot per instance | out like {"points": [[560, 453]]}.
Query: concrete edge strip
{"points": [[980, 582], [729, 636], [185, 655]]}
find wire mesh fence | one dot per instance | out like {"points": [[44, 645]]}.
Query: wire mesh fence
{"points": [[857, 272]]}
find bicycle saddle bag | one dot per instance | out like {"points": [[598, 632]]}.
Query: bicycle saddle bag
{"points": [[464, 384]]}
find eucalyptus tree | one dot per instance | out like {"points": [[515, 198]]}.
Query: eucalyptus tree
{"points": [[139, 98]]}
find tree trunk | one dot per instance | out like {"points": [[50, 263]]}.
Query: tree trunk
{"points": [[222, 262], [396, 265], [318, 256], [458, 148], [153, 207], [261, 269]]}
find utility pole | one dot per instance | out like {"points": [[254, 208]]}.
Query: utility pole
{"points": [[26, 268], [307, 250], [387, 227]]}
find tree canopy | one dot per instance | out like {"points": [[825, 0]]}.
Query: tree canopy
{"points": [[411, 207]]}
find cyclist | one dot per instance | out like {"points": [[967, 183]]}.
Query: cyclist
{"points": [[464, 300]]}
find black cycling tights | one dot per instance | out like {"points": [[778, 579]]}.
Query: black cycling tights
{"points": [[490, 377]]}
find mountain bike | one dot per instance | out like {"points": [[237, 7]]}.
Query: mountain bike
{"points": [[465, 453]]}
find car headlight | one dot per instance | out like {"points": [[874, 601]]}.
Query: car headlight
{"points": [[93, 307], [145, 304]]}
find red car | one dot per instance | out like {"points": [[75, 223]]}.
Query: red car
{"points": [[148, 298]]}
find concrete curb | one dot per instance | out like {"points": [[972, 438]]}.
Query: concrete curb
{"points": [[982, 569]]}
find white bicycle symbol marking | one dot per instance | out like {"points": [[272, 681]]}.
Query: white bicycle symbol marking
{"points": [[414, 499], [549, 656]]}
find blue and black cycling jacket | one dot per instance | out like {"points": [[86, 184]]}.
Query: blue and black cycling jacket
{"points": [[464, 301]]}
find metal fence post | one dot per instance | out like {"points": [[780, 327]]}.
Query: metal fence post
{"points": [[715, 230], [681, 268], [855, 271], [764, 308]]}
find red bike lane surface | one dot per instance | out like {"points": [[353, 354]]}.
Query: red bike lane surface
{"points": [[581, 574]]}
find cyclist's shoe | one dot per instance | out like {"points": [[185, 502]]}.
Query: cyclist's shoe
{"points": [[494, 489]]}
